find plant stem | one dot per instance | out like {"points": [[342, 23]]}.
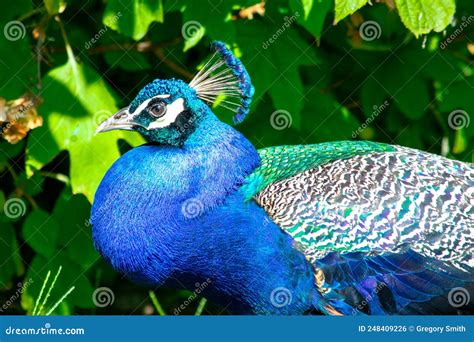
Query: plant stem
{"points": [[156, 304], [60, 301], [172, 65], [12, 171], [41, 293], [70, 53], [29, 14], [202, 304], [49, 290], [41, 28], [57, 176]]}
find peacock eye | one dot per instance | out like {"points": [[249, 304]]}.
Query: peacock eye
{"points": [[157, 109]]}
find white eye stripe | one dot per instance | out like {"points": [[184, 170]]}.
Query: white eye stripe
{"points": [[145, 103], [172, 112]]}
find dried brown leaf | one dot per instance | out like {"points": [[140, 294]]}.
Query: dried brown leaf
{"points": [[20, 116]]}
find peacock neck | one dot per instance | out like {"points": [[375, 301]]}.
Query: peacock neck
{"points": [[221, 158], [210, 132]]}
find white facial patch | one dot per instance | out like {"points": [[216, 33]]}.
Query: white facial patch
{"points": [[145, 103], [172, 112]]}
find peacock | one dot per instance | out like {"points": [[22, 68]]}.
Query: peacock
{"points": [[338, 228]]}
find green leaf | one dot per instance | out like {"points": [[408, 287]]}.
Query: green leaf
{"points": [[69, 124], [17, 63], [8, 255], [129, 60], [314, 13], [207, 17], [76, 235], [273, 64], [31, 185], [406, 87], [455, 101], [424, 16], [17, 70], [8, 151], [41, 231], [344, 8], [325, 119], [132, 18], [55, 6], [372, 97], [13, 9]]}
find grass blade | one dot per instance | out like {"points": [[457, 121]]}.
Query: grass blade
{"points": [[49, 290], [41, 293], [60, 301], [156, 304], [201, 305]]}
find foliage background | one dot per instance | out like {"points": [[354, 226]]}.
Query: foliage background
{"points": [[68, 64]]}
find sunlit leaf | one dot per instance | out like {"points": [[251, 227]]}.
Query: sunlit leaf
{"points": [[424, 16], [210, 18], [345, 7], [132, 18], [55, 6], [70, 124]]}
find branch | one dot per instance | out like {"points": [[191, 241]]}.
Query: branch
{"points": [[172, 65]]}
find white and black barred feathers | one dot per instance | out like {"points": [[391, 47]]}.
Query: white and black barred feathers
{"points": [[382, 202]]}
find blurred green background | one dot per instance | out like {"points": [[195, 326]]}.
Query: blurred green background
{"points": [[396, 71]]}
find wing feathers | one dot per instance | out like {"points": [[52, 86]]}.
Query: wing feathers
{"points": [[389, 229]]}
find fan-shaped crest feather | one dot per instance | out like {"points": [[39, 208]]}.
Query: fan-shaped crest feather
{"points": [[224, 74]]}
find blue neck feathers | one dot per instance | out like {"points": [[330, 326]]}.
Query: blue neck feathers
{"points": [[174, 216]]}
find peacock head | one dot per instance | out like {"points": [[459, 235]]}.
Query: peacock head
{"points": [[168, 111]]}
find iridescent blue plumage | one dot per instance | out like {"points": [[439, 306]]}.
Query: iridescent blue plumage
{"points": [[341, 228], [227, 76], [244, 83], [172, 216]]}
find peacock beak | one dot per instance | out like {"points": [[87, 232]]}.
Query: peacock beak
{"points": [[120, 120]]}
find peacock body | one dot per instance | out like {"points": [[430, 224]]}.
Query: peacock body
{"points": [[342, 228]]}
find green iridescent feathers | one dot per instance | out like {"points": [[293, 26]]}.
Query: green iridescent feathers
{"points": [[281, 162]]}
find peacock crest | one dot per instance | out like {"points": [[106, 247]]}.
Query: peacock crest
{"points": [[224, 75]]}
